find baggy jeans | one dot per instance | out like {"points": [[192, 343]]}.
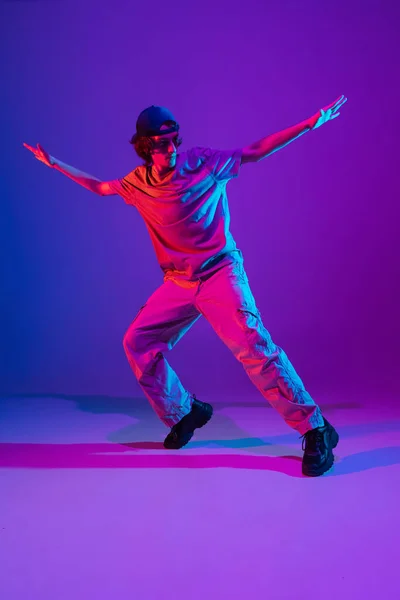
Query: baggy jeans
{"points": [[226, 301]]}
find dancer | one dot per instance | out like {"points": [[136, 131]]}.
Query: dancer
{"points": [[182, 198]]}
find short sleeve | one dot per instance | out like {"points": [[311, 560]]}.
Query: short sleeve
{"points": [[223, 164], [124, 188]]}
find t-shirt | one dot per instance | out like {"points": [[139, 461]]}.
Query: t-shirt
{"points": [[187, 212]]}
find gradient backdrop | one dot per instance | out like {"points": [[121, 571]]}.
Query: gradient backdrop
{"points": [[318, 222]]}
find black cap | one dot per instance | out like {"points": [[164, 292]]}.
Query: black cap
{"points": [[151, 119]]}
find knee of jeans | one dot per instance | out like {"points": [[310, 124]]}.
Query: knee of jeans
{"points": [[131, 337], [139, 347], [258, 339], [131, 341]]}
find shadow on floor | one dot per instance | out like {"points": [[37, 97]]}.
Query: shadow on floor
{"points": [[110, 456], [270, 453]]}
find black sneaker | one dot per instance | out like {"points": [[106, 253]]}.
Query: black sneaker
{"points": [[317, 445], [182, 432]]}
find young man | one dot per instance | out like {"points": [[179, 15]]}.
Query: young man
{"points": [[182, 199]]}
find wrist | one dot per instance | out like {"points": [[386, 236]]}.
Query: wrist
{"points": [[312, 121]]}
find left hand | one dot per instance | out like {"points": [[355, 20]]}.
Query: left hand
{"points": [[41, 154], [330, 112]]}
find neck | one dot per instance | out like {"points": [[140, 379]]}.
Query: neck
{"points": [[161, 172]]}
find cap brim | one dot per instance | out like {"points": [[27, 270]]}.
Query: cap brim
{"points": [[161, 132]]}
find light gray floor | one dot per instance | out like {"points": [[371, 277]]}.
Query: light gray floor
{"points": [[92, 506]]}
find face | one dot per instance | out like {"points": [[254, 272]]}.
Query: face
{"points": [[165, 150]]}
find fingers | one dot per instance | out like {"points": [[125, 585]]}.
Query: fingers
{"points": [[39, 153], [337, 100], [43, 153], [334, 116], [337, 104], [340, 102], [37, 149], [334, 104]]}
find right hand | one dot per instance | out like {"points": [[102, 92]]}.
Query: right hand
{"points": [[330, 112], [41, 155]]}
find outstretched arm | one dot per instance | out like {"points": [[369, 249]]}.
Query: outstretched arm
{"points": [[276, 141], [84, 179]]}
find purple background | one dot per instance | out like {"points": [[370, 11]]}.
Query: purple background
{"points": [[317, 222]]}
